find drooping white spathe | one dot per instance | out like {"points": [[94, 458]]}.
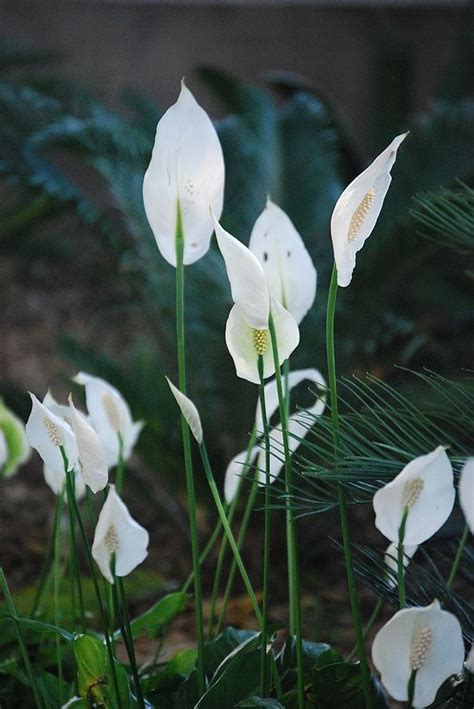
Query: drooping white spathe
{"points": [[189, 411], [358, 208], [289, 270], [56, 481], [391, 560], [466, 492], [46, 433], [117, 533], [299, 424], [110, 416], [425, 486], [186, 169], [91, 451], [425, 638], [249, 317]]}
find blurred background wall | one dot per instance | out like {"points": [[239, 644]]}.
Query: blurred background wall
{"points": [[150, 44]]}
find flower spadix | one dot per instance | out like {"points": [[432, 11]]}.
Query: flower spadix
{"points": [[110, 416], [91, 452], [466, 492], [247, 329], [289, 270], [14, 446], [358, 208], [47, 433], [189, 411], [186, 173], [426, 639], [425, 490], [119, 536]]}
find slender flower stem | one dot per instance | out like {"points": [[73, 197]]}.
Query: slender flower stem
{"points": [[331, 360], [45, 577], [369, 625], [266, 532], [120, 472], [129, 644], [75, 569], [293, 571], [56, 587], [21, 642], [458, 557], [204, 554], [400, 565], [188, 463], [411, 689]]}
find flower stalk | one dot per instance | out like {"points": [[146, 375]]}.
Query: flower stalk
{"points": [[56, 587], [400, 564], [266, 532], [458, 557]]}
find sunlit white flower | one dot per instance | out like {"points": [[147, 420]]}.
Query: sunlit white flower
{"points": [[425, 489], [118, 535], [189, 411], [466, 492], [91, 451], [61, 410], [56, 481], [391, 560], [290, 274], [110, 416], [186, 172], [47, 433], [426, 639], [247, 333], [236, 470], [358, 208], [14, 447]]}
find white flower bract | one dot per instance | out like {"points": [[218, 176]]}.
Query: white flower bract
{"points": [[466, 492], [189, 411], [91, 452], [186, 169], [46, 433], [56, 481], [236, 470], [391, 560]]}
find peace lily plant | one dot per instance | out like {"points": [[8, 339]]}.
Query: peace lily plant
{"points": [[86, 451]]}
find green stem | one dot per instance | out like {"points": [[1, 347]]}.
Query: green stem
{"points": [[411, 689], [400, 565], [331, 359], [75, 568], [293, 571], [188, 464], [266, 532], [204, 554], [56, 588], [120, 472], [45, 578], [21, 642], [129, 644], [458, 557], [369, 625]]}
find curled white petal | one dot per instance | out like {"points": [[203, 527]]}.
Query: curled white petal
{"points": [[289, 270], [56, 481], [396, 649], [117, 533], [358, 208], [186, 168], [240, 340], [189, 411], [247, 279], [236, 470], [426, 483], [47, 433], [391, 560], [466, 492], [91, 452]]}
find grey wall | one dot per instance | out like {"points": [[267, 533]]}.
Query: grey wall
{"points": [[150, 45]]}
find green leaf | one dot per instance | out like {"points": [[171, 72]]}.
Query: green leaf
{"points": [[226, 642], [153, 620], [38, 626], [239, 679], [92, 668], [260, 702], [178, 668], [336, 684]]}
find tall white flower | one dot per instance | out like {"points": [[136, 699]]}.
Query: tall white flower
{"points": [[47, 433], [90, 451], [118, 535], [425, 490], [14, 447], [247, 329], [110, 416], [186, 172], [391, 560], [425, 639], [466, 492], [189, 411], [289, 270], [358, 208]]}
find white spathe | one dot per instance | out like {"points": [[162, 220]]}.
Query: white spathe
{"points": [[289, 270], [91, 451], [469, 663], [189, 411], [56, 481], [46, 433], [247, 279], [358, 208], [391, 560], [110, 416], [236, 470], [117, 533], [424, 638], [425, 486], [466, 492], [186, 171], [240, 340]]}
